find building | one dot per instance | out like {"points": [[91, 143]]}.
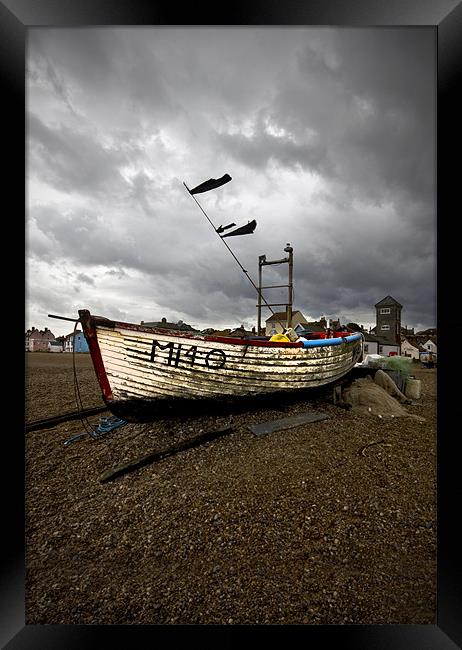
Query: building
{"points": [[75, 342], [371, 343], [388, 321], [385, 337], [311, 327], [389, 349], [277, 323], [420, 345], [410, 348], [430, 346], [393, 338], [321, 325], [37, 340], [164, 324], [55, 346]]}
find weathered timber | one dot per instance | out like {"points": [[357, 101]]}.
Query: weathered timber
{"points": [[287, 423], [47, 423], [124, 468], [142, 370]]}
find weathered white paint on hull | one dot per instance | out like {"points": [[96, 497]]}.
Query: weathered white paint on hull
{"points": [[193, 368]]}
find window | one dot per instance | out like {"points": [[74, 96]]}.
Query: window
{"points": [[385, 327], [366, 347], [385, 310]]}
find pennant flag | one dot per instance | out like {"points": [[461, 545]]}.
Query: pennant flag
{"points": [[211, 184], [223, 228], [243, 230]]}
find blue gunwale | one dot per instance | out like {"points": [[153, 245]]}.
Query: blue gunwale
{"points": [[335, 341]]}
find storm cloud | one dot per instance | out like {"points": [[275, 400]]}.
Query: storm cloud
{"points": [[328, 135]]}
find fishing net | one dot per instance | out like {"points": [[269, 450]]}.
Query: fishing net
{"points": [[398, 364], [366, 396]]}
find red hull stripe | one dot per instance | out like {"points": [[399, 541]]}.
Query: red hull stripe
{"points": [[90, 334], [267, 344]]}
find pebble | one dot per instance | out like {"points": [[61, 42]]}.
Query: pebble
{"points": [[247, 566]]}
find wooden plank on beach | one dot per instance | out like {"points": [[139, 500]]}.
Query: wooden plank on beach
{"points": [[47, 423], [287, 423], [124, 468]]}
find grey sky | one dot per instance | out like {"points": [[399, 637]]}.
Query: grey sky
{"points": [[327, 133]]}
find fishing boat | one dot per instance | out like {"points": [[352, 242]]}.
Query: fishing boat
{"points": [[145, 372]]}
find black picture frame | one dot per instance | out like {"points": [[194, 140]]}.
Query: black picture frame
{"points": [[16, 17]]}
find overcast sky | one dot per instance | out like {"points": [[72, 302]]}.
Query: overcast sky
{"points": [[328, 135]]}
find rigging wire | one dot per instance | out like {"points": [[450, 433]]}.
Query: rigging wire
{"points": [[232, 253]]}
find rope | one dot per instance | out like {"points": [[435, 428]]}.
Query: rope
{"points": [[106, 423], [78, 398]]}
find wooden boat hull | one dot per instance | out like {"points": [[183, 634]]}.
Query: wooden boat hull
{"points": [[145, 372]]}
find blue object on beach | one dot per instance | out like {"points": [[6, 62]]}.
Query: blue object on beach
{"points": [[106, 424]]}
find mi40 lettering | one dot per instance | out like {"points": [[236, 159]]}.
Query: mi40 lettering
{"points": [[178, 353]]}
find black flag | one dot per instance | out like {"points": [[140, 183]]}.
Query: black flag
{"points": [[223, 228], [243, 230], [211, 184]]}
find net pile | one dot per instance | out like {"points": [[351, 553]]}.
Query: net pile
{"points": [[366, 396]]}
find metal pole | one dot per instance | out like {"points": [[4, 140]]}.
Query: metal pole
{"points": [[261, 259], [290, 250]]}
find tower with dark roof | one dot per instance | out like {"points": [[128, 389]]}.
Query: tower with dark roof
{"points": [[388, 320]]}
